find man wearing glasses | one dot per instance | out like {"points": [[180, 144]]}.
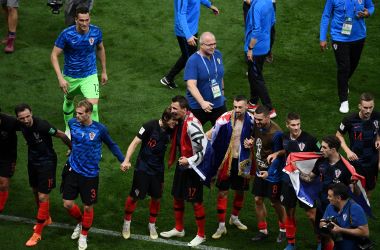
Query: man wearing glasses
{"points": [[204, 73]]}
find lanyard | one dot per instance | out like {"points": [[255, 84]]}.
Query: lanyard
{"points": [[208, 71], [345, 8]]}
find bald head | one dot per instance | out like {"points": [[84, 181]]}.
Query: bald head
{"points": [[206, 36], [208, 44]]}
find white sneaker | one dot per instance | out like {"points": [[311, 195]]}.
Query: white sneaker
{"points": [[82, 242], [126, 229], [152, 231], [173, 232], [219, 232], [76, 231], [344, 107], [235, 221], [196, 241]]}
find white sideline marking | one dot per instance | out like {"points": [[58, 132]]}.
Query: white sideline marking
{"points": [[109, 232]]}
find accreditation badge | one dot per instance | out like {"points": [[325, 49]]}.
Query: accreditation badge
{"points": [[347, 26], [215, 89]]}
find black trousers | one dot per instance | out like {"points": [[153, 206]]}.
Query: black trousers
{"points": [[204, 117], [347, 56], [186, 52], [257, 83]]}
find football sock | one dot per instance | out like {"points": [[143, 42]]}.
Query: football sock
{"points": [[154, 209], [281, 226], [3, 199], [130, 206], [88, 217], [221, 208], [75, 213], [237, 204], [11, 34], [262, 225], [42, 215], [290, 226], [95, 112], [199, 211], [329, 245], [179, 209], [68, 111]]}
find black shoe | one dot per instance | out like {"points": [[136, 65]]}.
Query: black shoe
{"points": [[168, 83], [281, 237], [260, 236]]}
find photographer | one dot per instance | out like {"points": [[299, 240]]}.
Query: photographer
{"points": [[344, 220]]}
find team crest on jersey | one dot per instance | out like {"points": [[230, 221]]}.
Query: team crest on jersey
{"points": [[376, 124], [92, 135], [360, 1], [344, 217], [91, 40], [337, 173], [335, 46], [218, 59], [301, 146]]}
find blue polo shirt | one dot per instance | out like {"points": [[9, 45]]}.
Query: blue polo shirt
{"points": [[204, 71], [186, 16], [351, 216], [79, 50], [260, 19], [337, 11]]}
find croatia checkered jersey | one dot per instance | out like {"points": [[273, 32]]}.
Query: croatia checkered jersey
{"points": [[87, 147], [79, 51]]}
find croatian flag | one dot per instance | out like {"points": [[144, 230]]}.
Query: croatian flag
{"points": [[309, 192]]}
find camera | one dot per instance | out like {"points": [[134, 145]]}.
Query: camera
{"points": [[55, 5], [326, 228]]}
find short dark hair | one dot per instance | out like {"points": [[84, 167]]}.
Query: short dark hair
{"points": [[339, 189], [239, 98], [86, 104], [183, 103], [292, 116], [167, 115], [21, 107], [261, 109], [367, 97], [332, 141], [81, 9]]}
